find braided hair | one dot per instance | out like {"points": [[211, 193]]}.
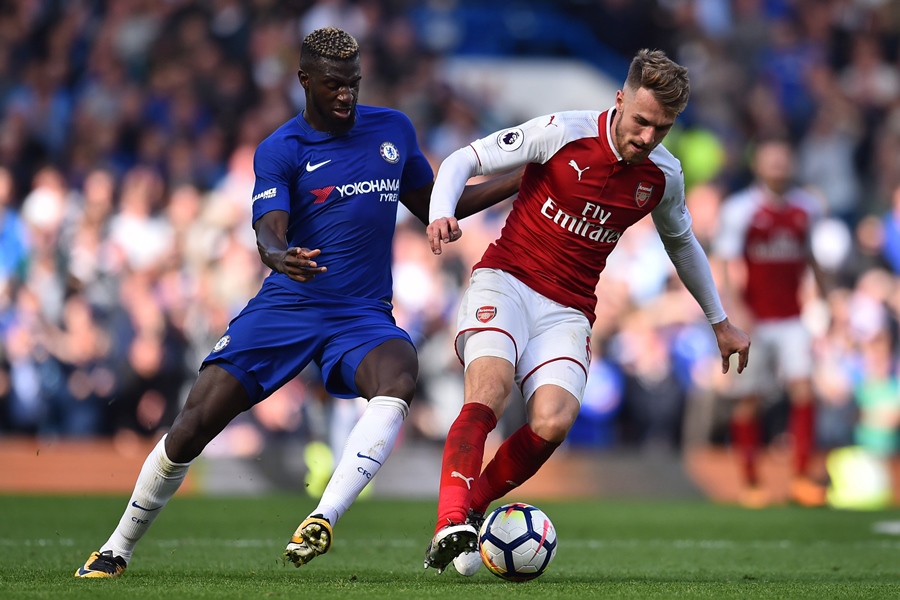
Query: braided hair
{"points": [[328, 43]]}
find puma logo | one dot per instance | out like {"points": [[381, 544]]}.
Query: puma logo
{"points": [[574, 165], [551, 122], [468, 480]]}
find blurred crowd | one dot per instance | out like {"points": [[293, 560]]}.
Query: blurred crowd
{"points": [[127, 132]]}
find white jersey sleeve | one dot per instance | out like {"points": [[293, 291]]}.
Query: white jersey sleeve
{"points": [[534, 141], [673, 222], [671, 216], [693, 269], [451, 179]]}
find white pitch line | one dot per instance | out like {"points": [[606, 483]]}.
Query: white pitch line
{"points": [[567, 544]]}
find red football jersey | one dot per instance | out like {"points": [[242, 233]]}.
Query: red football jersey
{"points": [[576, 199], [773, 239]]}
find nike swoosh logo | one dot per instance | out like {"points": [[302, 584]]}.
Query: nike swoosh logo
{"points": [[136, 505], [311, 167], [361, 455]]}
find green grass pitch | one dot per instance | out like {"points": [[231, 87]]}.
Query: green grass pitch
{"points": [[231, 548]]}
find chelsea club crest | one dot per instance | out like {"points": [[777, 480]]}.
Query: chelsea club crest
{"points": [[223, 341], [390, 153]]}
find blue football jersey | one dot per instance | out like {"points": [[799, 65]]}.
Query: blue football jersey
{"points": [[341, 195]]}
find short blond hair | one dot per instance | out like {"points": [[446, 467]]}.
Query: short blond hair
{"points": [[663, 77]]}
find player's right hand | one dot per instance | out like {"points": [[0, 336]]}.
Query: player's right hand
{"points": [[298, 264], [732, 340], [445, 229]]}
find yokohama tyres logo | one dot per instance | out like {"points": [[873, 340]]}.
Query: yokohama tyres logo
{"points": [[382, 186]]}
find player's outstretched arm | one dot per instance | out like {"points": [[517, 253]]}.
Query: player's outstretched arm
{"points": [[296, 263], [417, 202], [476, 198], [694, 271], [473, 199]]}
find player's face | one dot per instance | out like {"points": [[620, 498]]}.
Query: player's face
{"points": [[332, 90], [641, 124], [774, 165]]}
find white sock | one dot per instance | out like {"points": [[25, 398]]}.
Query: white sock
{"points": [[368, 446], [156, 484], [342, 419]]}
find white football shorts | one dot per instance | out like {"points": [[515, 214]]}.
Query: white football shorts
{"points": [[781, 352], [547, 342]]}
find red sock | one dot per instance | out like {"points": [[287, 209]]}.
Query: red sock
{"points": [[517, 459], [802, 427], [745, 439], [463, 453]]}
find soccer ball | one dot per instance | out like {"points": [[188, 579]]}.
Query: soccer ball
{"points": [[517, 542]]}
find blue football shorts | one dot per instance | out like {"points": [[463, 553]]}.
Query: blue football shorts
{"points": [[280, 332]]}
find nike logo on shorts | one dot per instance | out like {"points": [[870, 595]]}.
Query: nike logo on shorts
{"points": [[311, 167]]}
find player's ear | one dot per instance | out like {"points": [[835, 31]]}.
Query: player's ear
{"points": [[304, 79]]}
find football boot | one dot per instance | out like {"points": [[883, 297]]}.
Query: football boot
{"points": [[102, 565], [312, 538], [448, 543]]}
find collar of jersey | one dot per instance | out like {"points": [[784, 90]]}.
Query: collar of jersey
{"points": [[610, 115]]}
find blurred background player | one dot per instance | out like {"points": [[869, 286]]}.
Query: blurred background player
{"points": [[526, 317], [328, 183], [763, 245]]}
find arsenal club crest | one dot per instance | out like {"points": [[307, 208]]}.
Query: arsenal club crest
{"points": [[642, 193], [486, 313]]}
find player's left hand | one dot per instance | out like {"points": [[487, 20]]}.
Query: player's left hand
{"points": [[732, 340], [299, 264], [445, 229]]}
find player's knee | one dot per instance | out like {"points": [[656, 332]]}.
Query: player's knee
{"points": [[184, 441], [402, 386], [746, 409], [195, 427], [552, 428], [552, 421]]}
